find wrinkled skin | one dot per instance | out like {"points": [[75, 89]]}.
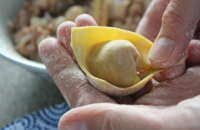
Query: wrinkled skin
{"points": [[167, 104]]}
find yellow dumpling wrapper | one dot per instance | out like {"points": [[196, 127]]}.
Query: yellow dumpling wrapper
{"points": [[114, 60]]}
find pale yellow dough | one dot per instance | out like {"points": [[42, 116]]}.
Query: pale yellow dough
{"points": [[115, 62]]}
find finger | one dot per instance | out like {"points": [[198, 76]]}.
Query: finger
{"points": [[146, 89], [178, 26], [85, 20], [193, 53], [171, 73], [110, 117], [126, 117], [64, 36], [173, 91], [70, 80], [193, 59], [64, 31], [130, 99], [150, 24], [124, 100]]}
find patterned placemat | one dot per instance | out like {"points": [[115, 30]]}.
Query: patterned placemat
{"points": [[45, 119]]}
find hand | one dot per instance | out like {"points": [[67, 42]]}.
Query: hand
{"points": [[183, 116], [59, 59], [176, 21], [61, 64], [180, 24]]}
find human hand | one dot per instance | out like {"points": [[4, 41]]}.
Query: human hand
{"points": [[184, 116], [178, 21], [172, 24], [58, 58]]}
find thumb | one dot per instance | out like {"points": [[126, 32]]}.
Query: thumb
{"points": [[137, 117], [179, 22], [109, 117]]}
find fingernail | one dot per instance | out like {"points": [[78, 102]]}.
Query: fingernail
{"points": [[75, 125], [161, 50]]}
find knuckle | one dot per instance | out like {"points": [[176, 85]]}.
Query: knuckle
{"points": [[174, 13], [79, 97]]}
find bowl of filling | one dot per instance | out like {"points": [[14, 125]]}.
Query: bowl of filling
{"points": [[25, 23]]}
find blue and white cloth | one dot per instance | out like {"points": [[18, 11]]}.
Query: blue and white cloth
{"points": [[45, 119]]}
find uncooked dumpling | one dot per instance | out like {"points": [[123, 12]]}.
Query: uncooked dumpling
{"points": [[114, 60]]}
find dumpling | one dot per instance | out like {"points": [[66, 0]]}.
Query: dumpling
{"points": [[115, 61]]}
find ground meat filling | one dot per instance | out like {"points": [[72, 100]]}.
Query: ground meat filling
{"points": [[38, 19]]}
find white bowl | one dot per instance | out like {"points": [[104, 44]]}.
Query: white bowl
{"points": [[8, 11]]}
